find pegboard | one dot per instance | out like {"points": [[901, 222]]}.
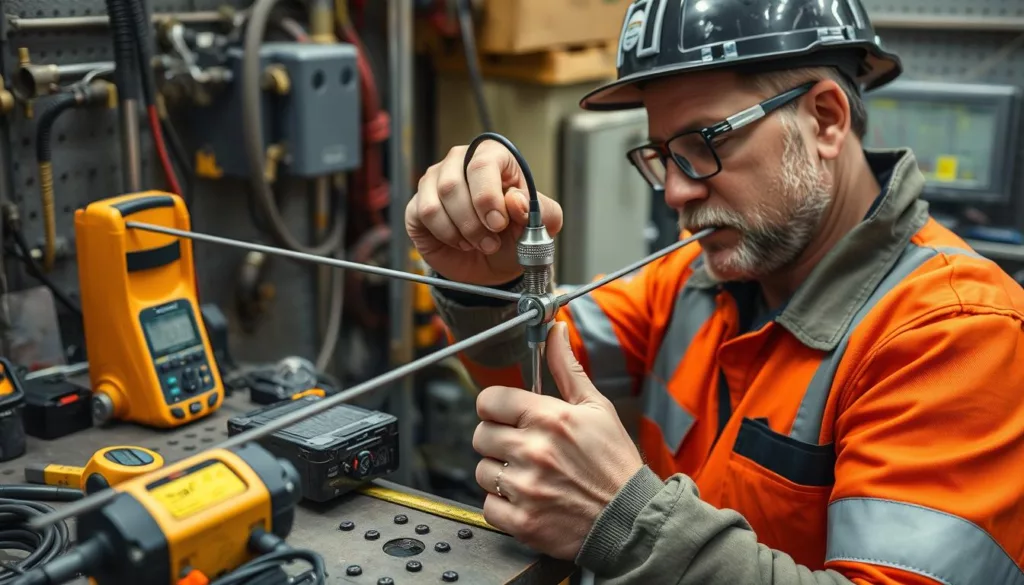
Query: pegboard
{"points": [[946, 7], [86, 167]]}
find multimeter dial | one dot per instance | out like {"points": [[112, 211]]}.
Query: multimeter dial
{"points": [[177, 350]]}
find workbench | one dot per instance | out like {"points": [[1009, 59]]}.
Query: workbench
{"points": [[485, 557]]}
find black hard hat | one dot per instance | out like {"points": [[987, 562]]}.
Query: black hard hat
{"points": [[667, 37]]}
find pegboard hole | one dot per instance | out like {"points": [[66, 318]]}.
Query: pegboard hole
{"points": [[15, 165], [346, 76], [26, 141], [56, 12], [93, 172], [72, 12], [33, 215], [39, 12], [110, 130], [67, 209], [59, 53], [29, 181], [63, 177], [61, 138], [318, 80]]}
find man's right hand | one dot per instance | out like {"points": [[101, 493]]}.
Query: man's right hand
{"points": [[466, 230]]}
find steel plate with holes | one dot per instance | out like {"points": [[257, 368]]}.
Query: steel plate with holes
{"points": [[406, 552]]}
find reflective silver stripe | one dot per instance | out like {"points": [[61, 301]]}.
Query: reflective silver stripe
{"points": [[604, 352], [692, 310], [920, 540], [807, 426]]}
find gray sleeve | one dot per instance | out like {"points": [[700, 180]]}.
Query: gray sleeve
{"points": [[657, 532]]}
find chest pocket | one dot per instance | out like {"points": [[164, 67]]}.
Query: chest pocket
{"points": [[782, 483]]}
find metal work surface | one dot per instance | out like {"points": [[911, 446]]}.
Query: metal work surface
{"points": [[487, 557]]}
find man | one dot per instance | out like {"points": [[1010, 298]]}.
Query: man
{"points": [[830, 384]]}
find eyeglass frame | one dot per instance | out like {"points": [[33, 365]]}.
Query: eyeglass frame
{"points": [[738, 120]]}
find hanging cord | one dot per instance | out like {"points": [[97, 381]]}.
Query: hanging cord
{"points": [[465, 14], [144, 60], [252, 131]]}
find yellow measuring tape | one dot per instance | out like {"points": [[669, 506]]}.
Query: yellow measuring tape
{"points": [[427, 505]]}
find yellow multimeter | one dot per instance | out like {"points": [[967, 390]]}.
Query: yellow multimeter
{"points": [[107, 467], [150, 360]]}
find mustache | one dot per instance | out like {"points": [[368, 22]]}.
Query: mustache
{"points": [[697, 218]]}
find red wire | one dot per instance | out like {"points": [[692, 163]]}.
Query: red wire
{"points": [[161, 149]]}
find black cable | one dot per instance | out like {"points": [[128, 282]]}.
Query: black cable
{"points": [[125, 69], [42, 545], [524, 167], [36, 272], [140, 28], [465, 13], [179, 154]]}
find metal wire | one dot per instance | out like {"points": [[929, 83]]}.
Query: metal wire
{"points": [[438, 282], [99, 498], [579, 292]]}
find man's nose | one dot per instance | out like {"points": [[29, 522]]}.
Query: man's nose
{"points": [[681, 189]]}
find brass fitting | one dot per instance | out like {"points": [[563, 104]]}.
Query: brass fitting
{"points": [[275, 79], [275, 153], [7, 100]]}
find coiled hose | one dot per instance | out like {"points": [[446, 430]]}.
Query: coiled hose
{"points": [[252, 132], [18, 504], [95, 93], [53, 108]]}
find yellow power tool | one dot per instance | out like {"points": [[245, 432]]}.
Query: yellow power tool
{"points": [[190, 522]]}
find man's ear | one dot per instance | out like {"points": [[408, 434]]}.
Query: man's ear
{"points": [[829, 108]]}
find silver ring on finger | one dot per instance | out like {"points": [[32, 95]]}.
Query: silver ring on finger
{"points": [[497, 481]]}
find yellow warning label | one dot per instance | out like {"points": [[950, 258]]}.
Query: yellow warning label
{"points": [[199, 490], [945, 168]]}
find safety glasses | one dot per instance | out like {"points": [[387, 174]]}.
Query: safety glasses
{"points": [[693, 151]]}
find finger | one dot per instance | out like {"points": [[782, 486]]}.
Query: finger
{"points": [[518, 204], [454, 195], [426, 210], [502, 514], [507, 406], [487, 471], [491, 170], [572, 381], [496, 441]]}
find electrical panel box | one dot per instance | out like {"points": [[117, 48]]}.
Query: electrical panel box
{"points": [[317, 120], [610, 201]]}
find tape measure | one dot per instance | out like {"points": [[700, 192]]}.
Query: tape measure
{"points": [[191, 521], [12, 400], [150, 360], [108, 467]]}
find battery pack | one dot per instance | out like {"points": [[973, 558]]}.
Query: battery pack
{"points": [[335, 451], [55, 408]]}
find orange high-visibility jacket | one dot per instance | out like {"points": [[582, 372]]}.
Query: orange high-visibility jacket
{"points": [[874, 426]]}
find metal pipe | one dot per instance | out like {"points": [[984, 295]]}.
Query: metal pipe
{"points": [[36, 80], [579, 292], [938, 22], [400, 90], [326, 261], [97, 499], [18, 24], [131, 146]]}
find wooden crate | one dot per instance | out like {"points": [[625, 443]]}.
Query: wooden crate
{"points": [[530, 26], [562, 66]]}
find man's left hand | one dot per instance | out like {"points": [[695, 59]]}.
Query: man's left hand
{"points": [[560, 462]]}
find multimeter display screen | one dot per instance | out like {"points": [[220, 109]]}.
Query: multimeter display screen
{"points": [[171, 330]]}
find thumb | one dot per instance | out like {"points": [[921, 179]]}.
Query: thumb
{"points": [[572, 381], [517, 202]]}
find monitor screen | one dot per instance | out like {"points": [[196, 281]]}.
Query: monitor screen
{"points": [[953, 142], [962, 135]]}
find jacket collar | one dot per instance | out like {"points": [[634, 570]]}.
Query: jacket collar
{"points": [[822, 308]]}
